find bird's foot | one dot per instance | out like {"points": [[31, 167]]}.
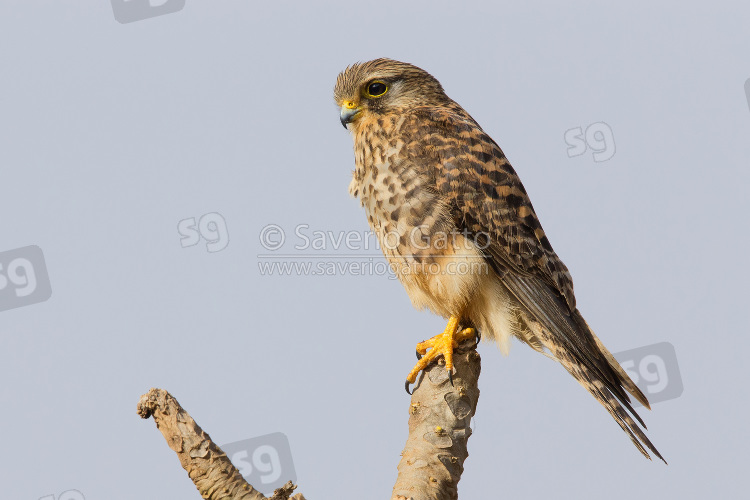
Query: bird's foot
{"points": [[443, 343]]}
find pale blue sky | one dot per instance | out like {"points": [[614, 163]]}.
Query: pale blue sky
{"points": [[111, 134]]}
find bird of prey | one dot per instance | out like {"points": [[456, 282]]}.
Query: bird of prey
{"points": [[459, 230]]}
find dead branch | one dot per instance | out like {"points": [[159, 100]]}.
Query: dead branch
{"points": [[439, 429], [431, 464], [209, 467]]}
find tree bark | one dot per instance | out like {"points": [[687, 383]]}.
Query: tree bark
{"points": [[209, 467], [439, 428], [431, 463]]}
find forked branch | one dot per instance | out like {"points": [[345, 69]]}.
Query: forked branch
{"points": [[431, 463]]}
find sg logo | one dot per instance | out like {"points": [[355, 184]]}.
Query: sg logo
{"points": [[265, 461], [66, 495], [128, 11], [211, 226], [23, 278], [654, 370], [598, 137]]}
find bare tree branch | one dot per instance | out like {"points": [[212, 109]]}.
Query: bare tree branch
{"points": [[431, 464], [439, 429], [209, 467]]}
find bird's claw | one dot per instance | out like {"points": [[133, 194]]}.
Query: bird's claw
{"points": [[442, 344], [406, 386]]}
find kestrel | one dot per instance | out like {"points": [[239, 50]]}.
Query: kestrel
{"points": [[459, 231]]}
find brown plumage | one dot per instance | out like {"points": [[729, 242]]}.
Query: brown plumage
{"points": [[458, 228]]}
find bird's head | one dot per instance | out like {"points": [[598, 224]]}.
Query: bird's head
{"points": [[383, 86]]}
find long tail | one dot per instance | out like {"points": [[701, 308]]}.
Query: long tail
{"points": [[607, 388]]}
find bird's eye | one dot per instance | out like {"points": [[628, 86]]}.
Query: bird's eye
{"points": [[376, 89]]}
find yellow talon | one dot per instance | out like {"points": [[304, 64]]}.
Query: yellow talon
{"points": [[443, 343]]}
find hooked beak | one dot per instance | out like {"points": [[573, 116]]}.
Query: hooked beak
{"points": [[349, 110]]}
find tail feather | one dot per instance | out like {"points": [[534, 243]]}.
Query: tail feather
{"points": [[626, 381], [610, 395], [615, 408]]}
